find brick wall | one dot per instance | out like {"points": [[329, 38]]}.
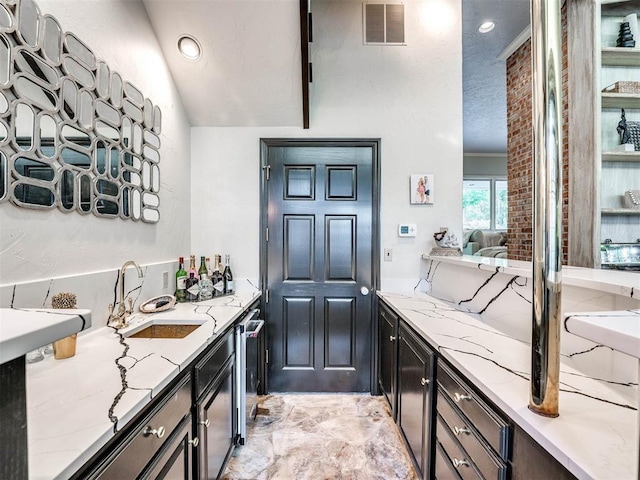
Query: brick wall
{"points": [[520, 150]]}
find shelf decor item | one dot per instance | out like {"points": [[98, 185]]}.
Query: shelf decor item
{"points": [[65, 347], [629, 131], [631, 199], [625, 37]]}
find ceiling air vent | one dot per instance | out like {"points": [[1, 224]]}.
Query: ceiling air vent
{"points": [[383, 23]]}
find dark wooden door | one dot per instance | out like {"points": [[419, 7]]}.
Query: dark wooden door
{"points": [[319, 264]]}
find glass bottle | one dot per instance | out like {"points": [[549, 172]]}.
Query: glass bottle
{"points": [[192, 288], [228, 276], [217, 278], [203, 269], [181, 282], [192, 267]]}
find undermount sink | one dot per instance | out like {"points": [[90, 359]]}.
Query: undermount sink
{"points": [[164, 329]]}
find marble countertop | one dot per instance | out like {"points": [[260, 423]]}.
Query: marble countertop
{"points": [[23, 330], [76, 405], [595, 436], [616, 282], [619, 330]]}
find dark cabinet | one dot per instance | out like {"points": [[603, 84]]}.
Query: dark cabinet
{"points": [[415, 398], [174, 460], [388, 357], [215, 408]]}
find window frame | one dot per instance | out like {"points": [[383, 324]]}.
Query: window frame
{"points": [[492, 179]]}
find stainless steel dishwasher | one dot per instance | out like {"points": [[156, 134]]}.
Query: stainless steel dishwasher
{"points": [[248, 341]]}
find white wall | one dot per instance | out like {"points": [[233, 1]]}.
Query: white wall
{"points": [[46, 244], [409, 96]]}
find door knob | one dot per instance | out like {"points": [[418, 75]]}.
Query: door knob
{"points": [[424, 381], [195, 442], [159, 432], [364, 291], [206, 422]]}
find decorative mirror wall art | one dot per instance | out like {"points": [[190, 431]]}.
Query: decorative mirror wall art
{"points": [[73, 134]]}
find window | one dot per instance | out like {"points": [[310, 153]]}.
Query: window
{"points": [[484, 203], [383, 23]]}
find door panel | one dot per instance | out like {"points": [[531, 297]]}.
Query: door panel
{"points": [[319, 253]]}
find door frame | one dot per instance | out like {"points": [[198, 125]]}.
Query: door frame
{"points": [[375, 144]]}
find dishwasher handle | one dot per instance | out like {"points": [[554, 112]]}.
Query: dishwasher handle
{"points": [[253, 328]]}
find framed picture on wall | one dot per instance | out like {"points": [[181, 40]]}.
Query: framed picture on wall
{"points": [[421, 189]]}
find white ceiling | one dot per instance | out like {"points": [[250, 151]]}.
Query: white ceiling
{"points": [[250, 70]]}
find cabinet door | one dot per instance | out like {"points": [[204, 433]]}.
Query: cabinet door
{"points": [[217, 426], [415, 373], [387, 326], [174, 460]]}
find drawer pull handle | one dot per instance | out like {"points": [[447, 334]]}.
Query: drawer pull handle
{"points": [[392, 338], [458, 397], [461, 430], [206, 423], [195, 442], [159, 433], [424, 381], [460, 463]]}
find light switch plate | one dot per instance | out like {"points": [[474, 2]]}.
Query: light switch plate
{"points": [[407, 230], [388, 254]]}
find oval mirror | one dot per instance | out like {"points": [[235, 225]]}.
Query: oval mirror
{"points": [[107, 113], [34, 66], [134, 179], [114, 168], [6, 22], [67, 189], [79, 50], [85, 193], [148, 113], [136, 204], [75, 137], [106, 207], [103, 80], [106, 131], [48, 136], [116, 89], [100, 154], [105, 187], [78, 72], [155, 178], [137, 138], [131, 110], [28, 22], [150, 200], [127, 132], [86, 110], [39, 96], [24, 126], [69, 99], [157, 120], [52, 40], [151, 154], [146, 175], [4, 132], [33, 195], [133, 94], [4, 104], [32, 168], [124, 203], [151, 139], [75, 158], [150, 215], [4, 177], [5, 60]]}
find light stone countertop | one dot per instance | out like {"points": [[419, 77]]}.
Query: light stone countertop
{"points": [[76, 405], [595, 436], [24, 330], [619, 330]]}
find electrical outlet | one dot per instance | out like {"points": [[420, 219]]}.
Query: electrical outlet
{"points": [[165, 279], [388, 254]]}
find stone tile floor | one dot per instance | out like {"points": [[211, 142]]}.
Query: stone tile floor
{"points": [[322, 436]]}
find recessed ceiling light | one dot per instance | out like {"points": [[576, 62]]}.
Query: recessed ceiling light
{"points": [[189, 47], [486, 27]]}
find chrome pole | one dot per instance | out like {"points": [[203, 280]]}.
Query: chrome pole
{"points": [[546, 57]]}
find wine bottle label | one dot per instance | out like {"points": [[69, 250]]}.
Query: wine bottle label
{"points": [[181, 283], [219, 286], [204, 276], [194, 289], [229, 286]]}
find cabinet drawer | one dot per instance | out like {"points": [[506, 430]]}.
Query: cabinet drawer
{"points": [[212, 364], [141, 446], [494, 430], [444, 470], [461, 461], [487, 462]]}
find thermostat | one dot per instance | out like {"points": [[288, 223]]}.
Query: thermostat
{"points": [[407, 230]]}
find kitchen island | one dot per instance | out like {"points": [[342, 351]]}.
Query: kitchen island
{"points": [[77, 405]]}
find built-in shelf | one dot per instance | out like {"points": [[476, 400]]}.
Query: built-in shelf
{"points": [[621, 156], [621, 57], [621, 100], [620, 211]]}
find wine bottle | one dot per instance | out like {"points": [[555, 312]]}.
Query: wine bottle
{"points": [[192, 267], [207, 262], [217, 278], [181, 282], [203, 269], [192, 288], [228, 276]]}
